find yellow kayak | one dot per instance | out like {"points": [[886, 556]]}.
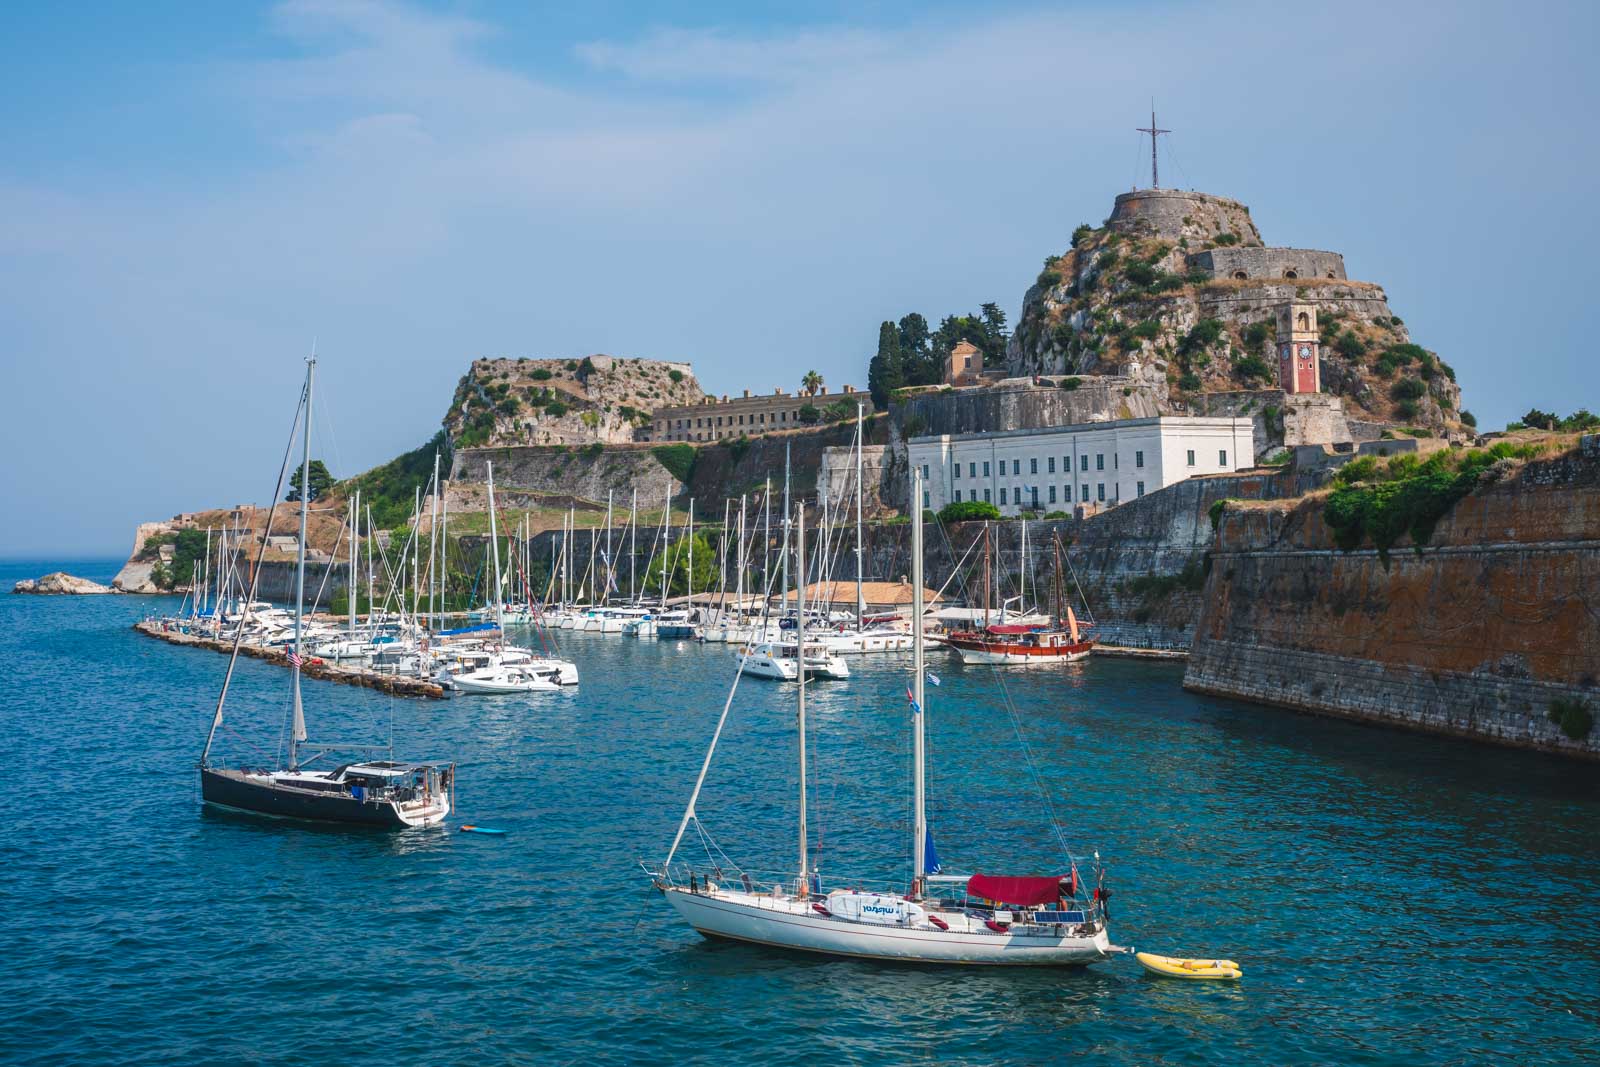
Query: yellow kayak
{"points": [[1173, 967]]}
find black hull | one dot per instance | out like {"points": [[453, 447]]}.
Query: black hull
{"points": [[231, 789]]}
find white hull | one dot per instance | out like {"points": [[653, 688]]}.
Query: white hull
{"points": [[1014, 659], [781, 922]]}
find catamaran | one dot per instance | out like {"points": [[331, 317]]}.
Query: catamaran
{"points": [[378, 792], [1042, 920]]}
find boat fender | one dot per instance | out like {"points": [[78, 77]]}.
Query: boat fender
{"points": [[998, 928], [940, 923], [822, 909]]}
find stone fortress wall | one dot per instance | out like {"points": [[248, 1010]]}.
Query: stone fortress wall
{"points": [[1251, 263], [1176, 213]]}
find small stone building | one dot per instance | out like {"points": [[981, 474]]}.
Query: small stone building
{"points": [[964, 365]]}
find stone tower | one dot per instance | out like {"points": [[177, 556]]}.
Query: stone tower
{"points": [[1299, 366]]}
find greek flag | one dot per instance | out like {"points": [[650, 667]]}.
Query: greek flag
{"points": [[934, 678]]}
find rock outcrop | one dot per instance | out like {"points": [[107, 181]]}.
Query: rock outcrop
{"points": [[60, 583], [1180, 283], [563, 402]]}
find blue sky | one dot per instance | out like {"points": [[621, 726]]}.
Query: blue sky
{"points": [[191, 193]]}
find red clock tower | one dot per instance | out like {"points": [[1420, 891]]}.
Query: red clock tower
{"points": [[1299, 365]]}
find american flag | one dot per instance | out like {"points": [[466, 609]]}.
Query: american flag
{"points": [[295, 660]]}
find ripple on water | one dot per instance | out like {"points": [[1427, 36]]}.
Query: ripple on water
{"points": [[1393, 898]]}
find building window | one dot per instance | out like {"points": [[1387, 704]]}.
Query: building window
{"points": [[986, 496], [1191, 457], [924, 498], [1138, 459], [1052, 494], [1085, 492], [719, 420], [958, 472], [1139, 488], [1083, 462], [741, 420], [1099, 461], [1222, 457], [986, 467], [958, 496], [1115, 461], [1033, 491], [1100, 492], [1033, 465], [1016, 467], [972, 470], [924, 472], [1002, 494], [1051, 465]]}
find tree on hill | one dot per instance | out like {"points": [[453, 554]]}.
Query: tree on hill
{"points": [[811, 383], [321, 482], [885, 373]]}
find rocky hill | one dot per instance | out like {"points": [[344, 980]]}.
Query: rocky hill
{"points": [[1178, 290], [563, 401]]}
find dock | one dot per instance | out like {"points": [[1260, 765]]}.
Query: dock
{"points": [[312, 668]]}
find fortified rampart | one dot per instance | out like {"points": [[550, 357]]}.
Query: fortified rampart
{"points": [[1474, 635], [1098, 398], [1177, 214], [1288, 263]]}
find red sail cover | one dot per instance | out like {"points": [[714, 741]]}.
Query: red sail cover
{"points": [[1021, 889]]}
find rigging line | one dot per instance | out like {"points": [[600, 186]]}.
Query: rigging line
{"points": [[1173, 155], [255, 579]]}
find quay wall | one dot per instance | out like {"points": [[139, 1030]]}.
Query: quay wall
{"points": [[1473, 635]]}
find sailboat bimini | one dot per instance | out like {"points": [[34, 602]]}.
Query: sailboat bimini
{"points": [[378, 792], [1032, 920]]}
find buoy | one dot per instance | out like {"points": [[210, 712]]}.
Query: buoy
{"points": [[470, 829]]}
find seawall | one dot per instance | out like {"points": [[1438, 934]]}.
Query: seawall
{"points": [[1474, 635]]}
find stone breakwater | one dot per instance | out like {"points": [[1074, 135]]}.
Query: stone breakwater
{"points": [[1476, 635], [313, 668]]}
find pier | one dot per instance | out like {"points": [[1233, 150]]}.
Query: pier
{"points": [[313, 668]]}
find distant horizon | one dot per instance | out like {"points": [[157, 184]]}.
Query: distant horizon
{"points": [[194, 197]]}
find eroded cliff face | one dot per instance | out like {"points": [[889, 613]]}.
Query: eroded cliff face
{"points": [[1479, 634]]}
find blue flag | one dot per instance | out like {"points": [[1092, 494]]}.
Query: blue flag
{"points": [[930, 855]]}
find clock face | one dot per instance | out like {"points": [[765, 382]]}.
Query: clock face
{"points": [[1305, 351]]}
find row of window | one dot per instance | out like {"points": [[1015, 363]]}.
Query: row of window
{"points": [[1015, 496], [758, 419], [1066, 464]]}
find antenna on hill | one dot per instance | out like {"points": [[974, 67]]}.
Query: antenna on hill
{"points": [[1153, 130]]}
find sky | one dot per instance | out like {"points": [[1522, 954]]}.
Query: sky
{"points": [[194, 195]]}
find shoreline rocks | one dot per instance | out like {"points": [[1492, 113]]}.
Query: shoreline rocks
{"points": [[60, 583]]}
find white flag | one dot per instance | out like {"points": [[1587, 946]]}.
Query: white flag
{"points": [[934, 678]]}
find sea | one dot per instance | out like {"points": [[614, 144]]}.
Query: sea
{"points": [[1391, 897]]}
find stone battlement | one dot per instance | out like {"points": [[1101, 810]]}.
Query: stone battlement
{"points": [[1243, 264]]}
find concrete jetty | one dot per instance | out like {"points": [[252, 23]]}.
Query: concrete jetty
{"points": [[313, 667]]}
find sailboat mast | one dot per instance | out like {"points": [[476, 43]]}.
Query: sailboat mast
{"points": [[494, 550], [766, 536], [1022, 571], [444, 556], [611, 560], [800, 712], [355, 549], [633, 549], [297, 733], [985, 573], [433, 541], [919, 828], [784, 603], [690, 578], [861, 604], [738, 563]]}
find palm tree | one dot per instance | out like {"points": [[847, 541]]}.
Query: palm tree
{"points": [[811, 383]]}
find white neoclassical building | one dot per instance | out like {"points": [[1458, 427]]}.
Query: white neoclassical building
{"points": [[1101, 464]]}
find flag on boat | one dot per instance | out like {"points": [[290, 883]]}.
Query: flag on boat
{"points": [[930, 855], [911, 698], [294, 660], [934, 678]]}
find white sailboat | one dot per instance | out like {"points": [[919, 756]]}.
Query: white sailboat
{"points": [[1039, 920]]}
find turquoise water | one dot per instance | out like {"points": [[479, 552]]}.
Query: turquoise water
{"points": [[1392, 898]]}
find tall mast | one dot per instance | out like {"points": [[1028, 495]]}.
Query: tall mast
{"points": [[690, 578], [919, 829], [372, 566], [784, 603], [494, 550], [633, 548], [666, 542], [416, 549], [611, 560], [206, 579], [355, 541], [800, 714], [444, 555], [433, 541], [298, 733], [861, 604], [985, 573], [1022, 570]]}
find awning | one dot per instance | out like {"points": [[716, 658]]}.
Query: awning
{"points": [[1010, 629], [1015, 889]]}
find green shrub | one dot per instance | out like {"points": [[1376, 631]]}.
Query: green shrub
{"points": [[1350, 346], [678, 459], [1407, 389], [1409, 496], [572, 365], [1049, 279], [1069, 384], [1226, 239], [809, 414], [1139, 273], [540, 374], [913, 426], [1468, 418], [1202, 336], [1252, 367], [1215, 512], [738, 447], [555, 409], [1189, 381], [594, 449], [675, 375], [585, 368], [1082, 234], [1572, 716], [1256, 334], [1407, 409], [1147, 330], [968, 510], [1052, 515]]}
